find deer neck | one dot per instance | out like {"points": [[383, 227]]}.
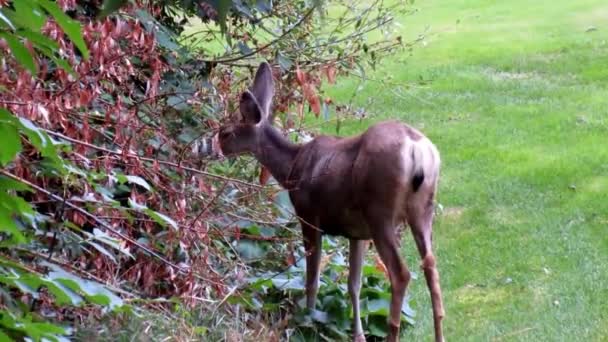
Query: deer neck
{"points": [[277, 154]]}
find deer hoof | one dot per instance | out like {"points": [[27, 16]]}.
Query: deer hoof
{"points": [[359, 338]]}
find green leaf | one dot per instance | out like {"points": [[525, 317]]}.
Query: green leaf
{"points": [[94, 291], [249, 250], [62, 293], [378, 307], [177, 102], [11, 144], [163, 36], [103, 237], [110, 6], [377, 329], [222, 7], [103, 251], [320, 316], [28, 14], [7, 222], [63, 64], [162, 219], [296, 283], [136, 206], [7, 117], [68, 25], [406, 309], [38, 39], [6, 20], [37, 137], [139, 181], [21, 53], [4, 337]]}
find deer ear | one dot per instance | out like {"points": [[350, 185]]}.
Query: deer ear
{"points": [[250, 109], [263, 87]]}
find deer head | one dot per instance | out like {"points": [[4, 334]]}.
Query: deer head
{"points": [[242, 134]]}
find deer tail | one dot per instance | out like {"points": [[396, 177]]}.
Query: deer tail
{"points": [[424, 160]]}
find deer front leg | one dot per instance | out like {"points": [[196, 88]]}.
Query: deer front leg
{"points": [[312, 245], [356, 254]]}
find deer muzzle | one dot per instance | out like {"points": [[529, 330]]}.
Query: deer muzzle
{"points": [[208, 147]]}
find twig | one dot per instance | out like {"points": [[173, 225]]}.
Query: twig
{"points": [[267, 45], [217, 195]]}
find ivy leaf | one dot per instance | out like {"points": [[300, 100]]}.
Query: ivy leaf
{"points": [[11, 144], [377, 329], [20, 52], [296, 283], [68, 25], [177, 102], [378, 306], [320, 316], [94, 291], [249, 250]]}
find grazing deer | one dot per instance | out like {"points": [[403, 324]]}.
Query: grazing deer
{"points": [[358, 187]]}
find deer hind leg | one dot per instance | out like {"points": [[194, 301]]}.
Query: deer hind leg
{"points": [[385, 240], [420, 219], [357, 249]]}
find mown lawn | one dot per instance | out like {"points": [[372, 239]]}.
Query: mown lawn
{"points": [[516, 98]]}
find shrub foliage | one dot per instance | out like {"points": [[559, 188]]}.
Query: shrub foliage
{"points": [[105, 211]]}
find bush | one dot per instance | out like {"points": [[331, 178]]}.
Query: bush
{"points": [[103, 205]]}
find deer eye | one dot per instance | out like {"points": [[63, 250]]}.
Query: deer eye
{"points": [[226, 133]]}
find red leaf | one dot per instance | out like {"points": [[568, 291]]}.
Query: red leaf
{"points": [[330, 72], [300, 76], [310, 94], [380, 265], [264, 175]]}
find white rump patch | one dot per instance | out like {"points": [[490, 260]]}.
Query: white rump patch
{"points": [[420, 157]]}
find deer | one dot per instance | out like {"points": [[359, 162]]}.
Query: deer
{"points": [[361, 188]]}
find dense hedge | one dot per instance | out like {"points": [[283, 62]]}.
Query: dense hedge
{"points": [[103, 205]]}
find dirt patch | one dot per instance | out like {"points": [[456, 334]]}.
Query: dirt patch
{"points": [[453, 213], [499, 75]]}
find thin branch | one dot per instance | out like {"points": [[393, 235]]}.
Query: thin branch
{"points": [[152, 160], [82, 272], [269, 44], [206, 208]]}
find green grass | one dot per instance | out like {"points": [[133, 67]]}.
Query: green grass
{"points": [[516, 100]]}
